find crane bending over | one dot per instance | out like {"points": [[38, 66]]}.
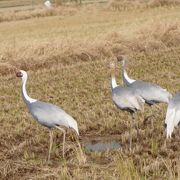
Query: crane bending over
{"points": [[172, 115], [150, 92], [126, 99], [47, 114]]}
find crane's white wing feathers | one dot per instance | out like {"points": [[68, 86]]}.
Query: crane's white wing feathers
{"points": [[170, 118], [177, 118]]}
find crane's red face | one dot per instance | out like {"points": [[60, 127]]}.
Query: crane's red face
{"points": [[19, 74]]}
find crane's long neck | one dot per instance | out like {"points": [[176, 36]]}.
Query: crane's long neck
{"points": [[127, 81], [25, 96], [113, 81]]}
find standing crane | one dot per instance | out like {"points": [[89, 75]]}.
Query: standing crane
{"points": [[172, 115], [47, 114], [150, 92], [126, 99]]}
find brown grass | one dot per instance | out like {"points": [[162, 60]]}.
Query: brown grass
{"points": [[36, 13], [157, 3], [141, 4], [72, 72], [64, 10], [23, 152], [154, 37]]}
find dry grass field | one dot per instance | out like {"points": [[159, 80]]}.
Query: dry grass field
{"points": [[67, 57]]}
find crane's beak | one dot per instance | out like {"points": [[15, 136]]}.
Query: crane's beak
{"points": [[19, 74]]}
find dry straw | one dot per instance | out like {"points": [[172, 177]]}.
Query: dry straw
{"points": [[153, 37]]}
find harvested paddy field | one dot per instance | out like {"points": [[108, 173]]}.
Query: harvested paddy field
{"points": [[67, 58]]}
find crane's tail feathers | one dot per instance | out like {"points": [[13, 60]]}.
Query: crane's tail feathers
{"points": [[73, 124], [141, 103], [170, 117], [177, 118]]}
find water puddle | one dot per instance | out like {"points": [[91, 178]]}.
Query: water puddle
{"points": [[100, 146]]}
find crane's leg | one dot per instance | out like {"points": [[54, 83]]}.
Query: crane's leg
{"points": [[136, 125], [50, 145], [165, 144], [152, 114], [130, 137], [64, 137]]}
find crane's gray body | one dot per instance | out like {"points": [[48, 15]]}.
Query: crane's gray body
{"points": [[126, 99], [48, 114], [151, 93]]}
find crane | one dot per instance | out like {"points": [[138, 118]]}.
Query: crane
{"points": [[172, 114], [126, 99], [150, 92], [48, 115], [48, 4]]}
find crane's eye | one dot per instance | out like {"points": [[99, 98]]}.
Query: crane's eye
{"points": [[19, 74]]}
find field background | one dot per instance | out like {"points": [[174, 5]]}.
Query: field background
{"points": [[66, 52]]}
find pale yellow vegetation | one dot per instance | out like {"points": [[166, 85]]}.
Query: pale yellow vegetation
{"points": [[67, 61]]}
